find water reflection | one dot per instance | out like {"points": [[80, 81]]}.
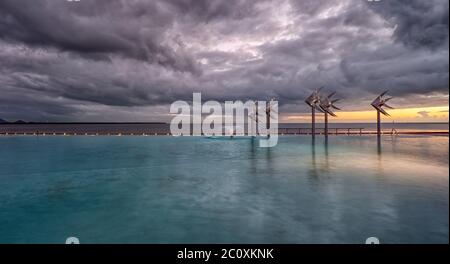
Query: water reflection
{"points": [[261, 159], [269, 160], [327, 164], [378, 145], [253, 156], [320, 163], [313, 172]]}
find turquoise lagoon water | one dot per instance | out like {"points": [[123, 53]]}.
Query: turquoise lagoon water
{"points": [[198, 190]]}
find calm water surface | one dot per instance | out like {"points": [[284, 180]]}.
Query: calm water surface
{"points": [[198, 190]]}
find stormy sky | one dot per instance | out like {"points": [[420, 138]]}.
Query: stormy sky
{"points": [[128, 60]]}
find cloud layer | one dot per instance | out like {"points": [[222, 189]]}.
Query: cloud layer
{"points": [[129, 59]]}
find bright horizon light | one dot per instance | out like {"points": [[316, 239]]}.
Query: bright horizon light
{"points": [[418, 114]]}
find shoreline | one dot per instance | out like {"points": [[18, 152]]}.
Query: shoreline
{"points": [[162, 129], [366, 133]]}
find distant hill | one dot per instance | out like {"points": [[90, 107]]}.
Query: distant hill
{"points": [[20, 122], [3, 121]]}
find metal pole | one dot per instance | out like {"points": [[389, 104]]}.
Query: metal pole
{"points": [[256, 119], [268, 119], [313, 122], [378, 124], [326, 124]]}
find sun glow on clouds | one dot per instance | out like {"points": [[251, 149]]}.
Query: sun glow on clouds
{"points": [[278, 27], [421, 114]]}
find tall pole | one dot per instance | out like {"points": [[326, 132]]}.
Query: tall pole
{"points": [[378, 124], [256, 117], [313, 121], [268, 118], [326, 124]]}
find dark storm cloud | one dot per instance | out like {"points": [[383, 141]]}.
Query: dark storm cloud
{"points": [[418, 23], [95, 27], [99, 57], [211, 10]]}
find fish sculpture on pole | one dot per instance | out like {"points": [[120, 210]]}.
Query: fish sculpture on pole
{"points": [[270, 111], [378, 104], [255, 121], [314, 101], [326, 105]]}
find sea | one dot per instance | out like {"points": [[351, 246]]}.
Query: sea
{"points": [[166, 189]]}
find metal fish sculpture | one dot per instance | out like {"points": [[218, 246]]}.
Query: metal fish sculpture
{"points": [[314, 102], [327, 106], [378, 104]]}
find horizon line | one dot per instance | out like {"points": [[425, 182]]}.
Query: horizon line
{"points": [[164, 123]]}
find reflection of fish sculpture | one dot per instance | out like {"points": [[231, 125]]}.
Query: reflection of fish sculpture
{"points": [[326, 105], [314, 102], [378, 104]]}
